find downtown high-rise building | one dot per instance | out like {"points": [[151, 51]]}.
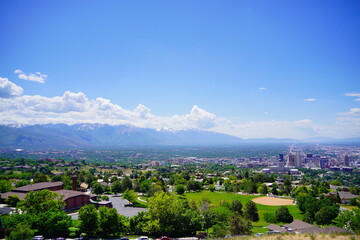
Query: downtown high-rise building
{"points": [[346, 161], [298, 160]]}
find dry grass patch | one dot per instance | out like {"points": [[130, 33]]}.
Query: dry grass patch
{"points": [[299, 237], [272, 201]]}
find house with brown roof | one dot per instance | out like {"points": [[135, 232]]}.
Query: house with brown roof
{"points": [[298, 226], [73, 199], [345, 197], [52, 186], [275, 229]]}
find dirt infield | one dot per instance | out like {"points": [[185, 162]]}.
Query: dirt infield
{"points": [[271, 201]]}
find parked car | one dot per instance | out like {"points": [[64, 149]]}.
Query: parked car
{"points": [[124, 238], [164, 238], [60, 238], [38, 238], [143, 238]]}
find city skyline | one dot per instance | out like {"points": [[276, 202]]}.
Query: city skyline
{"points": [[250, 69]]}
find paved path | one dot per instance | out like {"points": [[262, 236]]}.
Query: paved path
{"points": [[141, 200]]}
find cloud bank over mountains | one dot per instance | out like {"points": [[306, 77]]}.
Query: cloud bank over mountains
{"points": [[72, 108]]}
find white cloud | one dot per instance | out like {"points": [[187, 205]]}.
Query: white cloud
{"points": [[356, 95], [9, 89], [352, 112], [310, 99], [262, 88], [35, 77], [72, 108]]}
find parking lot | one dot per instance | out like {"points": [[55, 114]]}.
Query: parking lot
{"points": [[119, 204]]}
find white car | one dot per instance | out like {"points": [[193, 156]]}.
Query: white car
{"points": [[143, 238]]}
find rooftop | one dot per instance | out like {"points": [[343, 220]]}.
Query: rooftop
{"points": [[297, 224], [69, 193], [38, 186]]}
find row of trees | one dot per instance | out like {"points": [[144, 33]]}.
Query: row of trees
{"points": [[103, 221], [41, 213]]}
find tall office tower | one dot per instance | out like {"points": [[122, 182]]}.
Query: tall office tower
{"points": [[347, 161], [298, 160], [291, 160], [324, 162], [281, 157]]}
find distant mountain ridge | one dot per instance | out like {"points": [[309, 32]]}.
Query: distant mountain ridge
{"points": [[102, 135]]}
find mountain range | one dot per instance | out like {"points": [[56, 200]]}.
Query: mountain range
{"points": [[103, 136]]}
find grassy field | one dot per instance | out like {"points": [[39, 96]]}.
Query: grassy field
{"points": [[216, 197], [349, 207]]}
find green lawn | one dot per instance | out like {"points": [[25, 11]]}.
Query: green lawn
{"points": [[216, 197]]}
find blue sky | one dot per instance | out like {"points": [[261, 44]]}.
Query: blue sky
{"points": [[246, 68]]}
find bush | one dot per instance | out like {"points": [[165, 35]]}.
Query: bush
{"points": [[21, 232], [105, 198], [283, 215], [270, 217]]}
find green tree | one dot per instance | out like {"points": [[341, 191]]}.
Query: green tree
{"points": [[211, 188], [274, 189], [40, 177], [67, 182], [138, 223], [41, 202], [97, 188], [12, 200], [89, 217], [109, 221], [238, 225], [5, 186], [126, 184], [263, 189], [43, 211], [167, 214], [180, 189], [308, 217], [236, 206], [22, 183], [283, 215], [251, 211], [270, 217], [130, 195], [105, 198], [353, 202], [116, 187], [52, 224], [21, 232], [326, 215], [335, 183], [193, 185], [349, 220]]}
